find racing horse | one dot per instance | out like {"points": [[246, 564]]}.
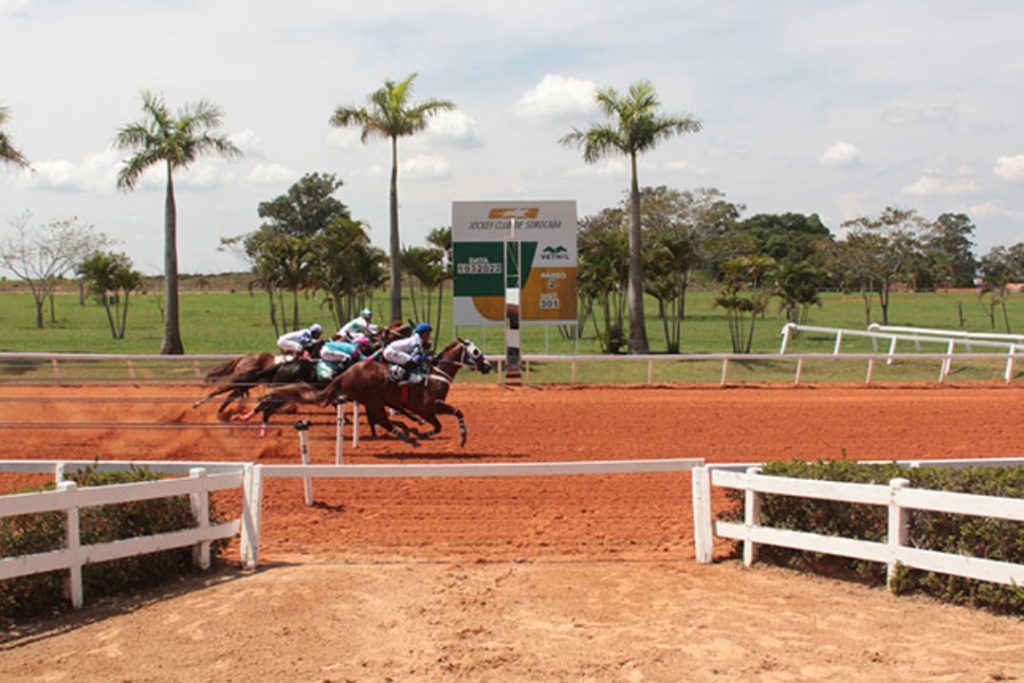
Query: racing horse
{"points": [[237, 377], [367, 383]]}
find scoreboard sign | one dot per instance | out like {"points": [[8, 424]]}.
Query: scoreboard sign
{"points": [[486, 260]]}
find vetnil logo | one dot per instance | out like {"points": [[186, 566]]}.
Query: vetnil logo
{"points": [[559, 253]]}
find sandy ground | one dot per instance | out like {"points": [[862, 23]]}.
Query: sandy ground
{"points": [[570, 578]]}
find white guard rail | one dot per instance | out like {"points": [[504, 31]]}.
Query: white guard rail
{"points": [[800, 359], [896, 496], [69, 499], [1003, 350]]}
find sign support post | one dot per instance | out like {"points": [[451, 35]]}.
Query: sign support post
{"points": [[513, 268]]}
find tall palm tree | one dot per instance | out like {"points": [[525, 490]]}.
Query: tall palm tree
{"points": [[389, 114], [636, 128], [175, 140], [8, 152]]}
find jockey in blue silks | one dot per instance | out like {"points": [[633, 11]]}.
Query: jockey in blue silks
{"points": [[408, 357]]}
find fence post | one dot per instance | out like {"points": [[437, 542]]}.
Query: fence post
{"points": [[892, 351], [871, 371], [947, 362], [751, 517], [703, 526], [526, 369], [355, 424], [873, 327], [58, 473], [56, 370], [72, 542], [1008, 375], [131, 369], [252, 502], [572, 379], [839, 343], [725, 371], [302, 427], [339, 435], [195, 366], [201, 511], [650, 371], [898, 524], [799, 370], [786, 331]]}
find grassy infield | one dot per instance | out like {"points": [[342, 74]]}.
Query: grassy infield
{"points": [[225, 322]]}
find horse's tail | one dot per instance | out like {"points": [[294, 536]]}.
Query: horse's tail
{"points": [[223, 370]]}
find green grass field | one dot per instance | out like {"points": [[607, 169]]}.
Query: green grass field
{"points": [[226, 322]]}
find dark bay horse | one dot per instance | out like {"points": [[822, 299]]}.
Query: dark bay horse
{"points": [[367, 383]]}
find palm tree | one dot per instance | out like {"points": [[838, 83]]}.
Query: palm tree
{"points": [[636, 128], [174, 139], [8, 152], [389, 114]]}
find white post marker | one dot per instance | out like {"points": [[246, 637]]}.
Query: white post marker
{"points": [[355, 424], [899, 519], [339, 436], [200, 501], [302, 427], [513, 310], [751, 518], [73, 542]]}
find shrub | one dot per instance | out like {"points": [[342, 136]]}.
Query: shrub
{"points": [[44, 593], [961, 534]]}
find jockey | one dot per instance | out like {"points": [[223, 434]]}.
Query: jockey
{"points": [[338, 356], [295, 343], [360, 326], [408, 356]]}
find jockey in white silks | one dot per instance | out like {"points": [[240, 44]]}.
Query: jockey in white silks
{"points": [[408, 356], [358, 327], [295, 343]]}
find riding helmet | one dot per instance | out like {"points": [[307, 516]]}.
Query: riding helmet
{"points": [[366, 313], [423, 327], [315, 329]]}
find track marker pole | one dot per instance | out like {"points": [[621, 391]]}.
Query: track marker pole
{"points": [[339, 436], [355, 424], [302, 427]]}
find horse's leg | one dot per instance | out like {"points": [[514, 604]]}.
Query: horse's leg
{"points": [[209, 397], [376, 413], [442, 408]]}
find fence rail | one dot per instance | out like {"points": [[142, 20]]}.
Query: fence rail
{"points": [[69, 499], [191, 363], [897, 497]]}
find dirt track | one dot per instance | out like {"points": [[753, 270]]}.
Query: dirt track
{"points": [[566, 528]]}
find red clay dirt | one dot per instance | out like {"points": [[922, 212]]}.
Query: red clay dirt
{"points": [[582, 516]]}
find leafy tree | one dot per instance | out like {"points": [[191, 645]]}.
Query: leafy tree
{"points": [[346, 267], [603, 249], [998, 270], [441, 238], [307, 208], [743, 298], [41, 257], [797, 285], [111, 279], [636, 128], [425, 265], [790, 237], [949, 244], [888, 250], [173, 140], [9, 154], [389, 114]]}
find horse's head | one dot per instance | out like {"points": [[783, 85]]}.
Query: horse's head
{"points": [[473, 357], [396, 330]]}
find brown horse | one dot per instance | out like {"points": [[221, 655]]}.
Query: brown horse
{"points": [[367, 383]]}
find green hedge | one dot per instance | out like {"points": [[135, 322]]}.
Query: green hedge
{"points": [[961, 534], [41, 594]]}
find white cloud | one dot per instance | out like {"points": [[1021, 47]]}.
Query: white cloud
{"points": [[425, 167], [557, 97], [842, 155], [1010, 167], [94, 173], [14, 6], [987, 210], [248, 141], [930, 186], [455, 128], [270, 174], [204, 174], [345, 138]]}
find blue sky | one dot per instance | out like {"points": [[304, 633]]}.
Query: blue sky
{"points": [[839, 108]]}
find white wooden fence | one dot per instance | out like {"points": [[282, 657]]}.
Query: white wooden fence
{"points": [[1008, 351], [68, 499], [897, 496]]}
